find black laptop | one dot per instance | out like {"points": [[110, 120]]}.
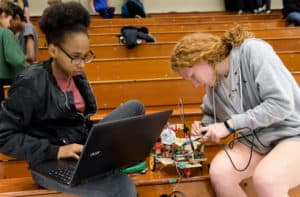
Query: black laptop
{"points": [[109, 146]]}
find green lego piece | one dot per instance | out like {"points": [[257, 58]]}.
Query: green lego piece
{"points": [[136, 168]]}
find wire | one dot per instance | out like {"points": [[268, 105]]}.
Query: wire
{"points": [[181, 110], [231, 145], [185, 128]]}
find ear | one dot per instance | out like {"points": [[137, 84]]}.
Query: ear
{"points": [[3, 15], [17, 17], [52, 49]]}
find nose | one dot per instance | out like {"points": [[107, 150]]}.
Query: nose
{"points": [[81, 65]]}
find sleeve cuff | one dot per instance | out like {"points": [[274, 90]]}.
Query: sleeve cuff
{"points": [[240, 121], [52, 152]]}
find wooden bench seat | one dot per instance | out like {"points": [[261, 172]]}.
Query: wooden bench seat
{"points": [[152, 23], [155, 67], [112, 38], [201, 13], [171, 15], [153, 93], [26, 186], [148, 185], [164, 48], [182, 19], [196, 26], [148, 21], [193, 26]]}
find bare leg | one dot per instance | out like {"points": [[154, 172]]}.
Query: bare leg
{"points": [[278, 171], [224, 178]]}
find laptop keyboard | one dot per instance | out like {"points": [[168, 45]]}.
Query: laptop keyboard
{"points": [[63, 175]]}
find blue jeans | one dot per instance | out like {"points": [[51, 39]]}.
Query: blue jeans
{"points": [[113, 184], [107, 12], [294, 18]]}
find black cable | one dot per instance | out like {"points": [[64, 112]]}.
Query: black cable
{"points": [[231, 144], [175, 193]]}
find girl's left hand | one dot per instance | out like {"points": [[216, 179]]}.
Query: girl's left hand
{"points": [[215, 132]]}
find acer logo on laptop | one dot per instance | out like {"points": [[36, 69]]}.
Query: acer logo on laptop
{"points": [[96, 153]]}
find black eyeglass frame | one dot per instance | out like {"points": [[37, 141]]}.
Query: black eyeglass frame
{"points": [[77, 60]]}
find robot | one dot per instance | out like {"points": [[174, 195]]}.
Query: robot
{"points": [[183, 153]]}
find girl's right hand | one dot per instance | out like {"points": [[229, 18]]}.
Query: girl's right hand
{"points": [[69, 151]]}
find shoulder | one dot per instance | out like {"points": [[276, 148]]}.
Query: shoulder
{"points": [[256, 48], [255, 44], [34, 75], [6, 32], [29, 29], [8, 38]]}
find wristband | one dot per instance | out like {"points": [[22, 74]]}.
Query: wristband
{"points": [[231, 130]]}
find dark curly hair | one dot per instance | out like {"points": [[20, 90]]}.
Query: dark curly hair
{"points": [[62, 18]]}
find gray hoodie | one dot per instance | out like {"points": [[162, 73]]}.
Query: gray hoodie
{"points": [[259, 94]]}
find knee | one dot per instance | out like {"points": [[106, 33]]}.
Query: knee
{"points": [[263, 178], [218, 172], [127, 187], [137, 105]]}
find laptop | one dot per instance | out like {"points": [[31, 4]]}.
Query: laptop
{"points": [[110, 146]]}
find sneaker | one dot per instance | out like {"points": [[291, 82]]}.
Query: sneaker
{"points": [[255, 11], [260, 9], [268, 12], [240, 12]]}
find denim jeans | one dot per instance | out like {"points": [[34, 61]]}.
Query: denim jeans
{"points": [[113, 184], [294, 18]]}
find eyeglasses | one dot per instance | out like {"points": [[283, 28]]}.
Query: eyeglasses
{"points": [[78, 60]]}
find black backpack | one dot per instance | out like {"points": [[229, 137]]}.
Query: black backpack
{"points": [[132, 36]]}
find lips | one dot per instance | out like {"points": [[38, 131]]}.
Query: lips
{"points": [[77, 72]]}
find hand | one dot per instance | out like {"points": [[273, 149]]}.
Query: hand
{"points": [[69, 151], [197, 129], [94, 12], [215, 132]]}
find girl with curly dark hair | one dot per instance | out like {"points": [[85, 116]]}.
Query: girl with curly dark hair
{"points": [[46, 114]]}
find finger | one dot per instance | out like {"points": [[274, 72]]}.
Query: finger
{"points": [[196, 124], [204, 130], [75, 156], [194, 127], [194, 132], [77, 148], [213, 138], [206, 138]]}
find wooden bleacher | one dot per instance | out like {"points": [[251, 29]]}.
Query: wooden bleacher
{"points": [[165, 48], [112, 38], [119, 74]]}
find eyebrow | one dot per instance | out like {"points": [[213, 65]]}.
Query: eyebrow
{"points": [[79, 54]]}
